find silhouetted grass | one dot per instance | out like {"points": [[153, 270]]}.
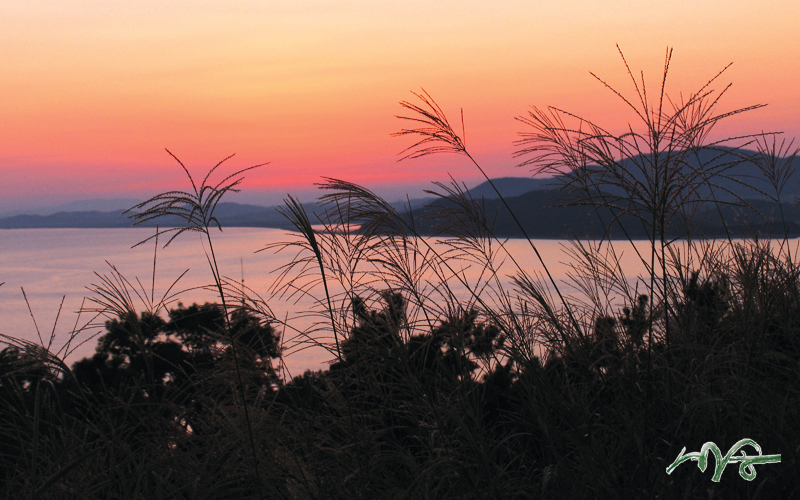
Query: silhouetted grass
{"points": [[456, 371]]}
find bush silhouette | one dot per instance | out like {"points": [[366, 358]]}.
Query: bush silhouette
{"points": [[456, 371]]}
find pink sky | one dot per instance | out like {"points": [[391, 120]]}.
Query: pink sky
{"points": [[93, 91]]}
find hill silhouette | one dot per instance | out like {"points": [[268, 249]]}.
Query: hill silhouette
{"points": [[541, 204]]}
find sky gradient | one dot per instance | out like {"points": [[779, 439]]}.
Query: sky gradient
{"points": [[93, 91]]}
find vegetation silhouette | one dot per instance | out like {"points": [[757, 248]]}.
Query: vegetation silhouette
{"points": [[456, 372]]}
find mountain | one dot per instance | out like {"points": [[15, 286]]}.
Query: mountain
{"points": [[543, 214], [89, 219], [228, 214], [745, 194], [511, 186], [539, 204], [736, 177], [95, 205]]}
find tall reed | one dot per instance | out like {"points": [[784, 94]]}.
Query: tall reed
{"points": [[196, 209], [456, 371]]}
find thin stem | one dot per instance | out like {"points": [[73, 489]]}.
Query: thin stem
{"points": [[218, 282], [578, 329]]}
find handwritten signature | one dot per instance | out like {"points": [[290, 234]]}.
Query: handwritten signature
{"points": [[746, 463]]}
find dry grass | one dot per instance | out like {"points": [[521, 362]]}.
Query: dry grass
{"points": [[458, 372]]}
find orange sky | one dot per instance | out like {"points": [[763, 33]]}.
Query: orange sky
{"points": [[93, 91]]}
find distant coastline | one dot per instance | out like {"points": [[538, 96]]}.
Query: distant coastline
{"points": [[542, 206]]}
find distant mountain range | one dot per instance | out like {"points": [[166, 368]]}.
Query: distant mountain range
{"points": [[539, 204], [544, 210], [543, 214], [95, 205], [228, 214]]}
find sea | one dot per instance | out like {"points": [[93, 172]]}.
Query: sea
{"points": [[50, 279]]}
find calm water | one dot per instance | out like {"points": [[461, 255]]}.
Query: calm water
{"points": [[53, 263]]}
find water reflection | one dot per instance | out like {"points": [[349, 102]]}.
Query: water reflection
{"points": [[54, 263]]}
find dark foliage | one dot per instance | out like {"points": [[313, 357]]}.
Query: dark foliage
{"points": [[443, 385]]}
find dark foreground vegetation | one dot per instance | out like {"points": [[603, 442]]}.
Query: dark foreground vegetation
{"points": [[501, 383]]}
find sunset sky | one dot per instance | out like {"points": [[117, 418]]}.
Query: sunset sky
{"points": [[93, 91]]}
